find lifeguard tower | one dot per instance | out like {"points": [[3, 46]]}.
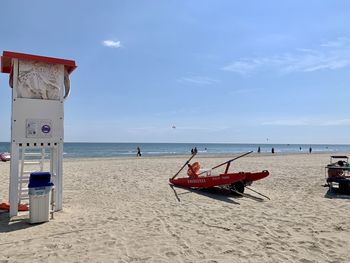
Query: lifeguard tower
{"points": [[39, 87]]}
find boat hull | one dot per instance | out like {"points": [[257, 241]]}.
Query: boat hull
{"points": [[219, 180], [251, 177]]}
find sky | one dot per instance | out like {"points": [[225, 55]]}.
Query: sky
{"points": [[211, 71]]}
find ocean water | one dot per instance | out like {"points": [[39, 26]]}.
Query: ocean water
{"points": [[87, 150]]}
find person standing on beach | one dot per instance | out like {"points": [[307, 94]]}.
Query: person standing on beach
{"points": [[259, 149], [195, 150], [138, 152], [310, 149], [273, 150]]}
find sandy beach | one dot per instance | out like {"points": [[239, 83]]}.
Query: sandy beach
{"points": [[123, 210]]}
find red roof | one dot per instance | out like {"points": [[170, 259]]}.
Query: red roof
{"points": [[7, 57]]}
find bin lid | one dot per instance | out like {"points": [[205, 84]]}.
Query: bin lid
{"points": [[7, 56], [38, 179]]}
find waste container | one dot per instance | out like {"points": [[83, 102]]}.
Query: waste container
{"points": [[39, 197]]}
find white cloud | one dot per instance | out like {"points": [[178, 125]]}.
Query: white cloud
{"points": [[303, 121], [287, 122], [340, 122], [242, 67], [198, 80], [245, 90], [176, 128], [196, 128], [111, 43], [339, 42], [331, 55]]}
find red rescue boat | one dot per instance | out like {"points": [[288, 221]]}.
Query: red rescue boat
{"points": [[21, 207], [234, 181]]}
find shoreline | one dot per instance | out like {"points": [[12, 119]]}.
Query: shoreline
{"points": [[204, 156]]}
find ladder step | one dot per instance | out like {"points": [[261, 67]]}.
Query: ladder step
{"points": [[31, 162], [34, 154], [29, 172], [23, 180], [24, 198]]}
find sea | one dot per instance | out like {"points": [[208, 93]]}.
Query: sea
{"points": [[100, 150]]}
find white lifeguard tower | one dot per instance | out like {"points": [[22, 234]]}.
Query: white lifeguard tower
{"points": [[39, 87]]}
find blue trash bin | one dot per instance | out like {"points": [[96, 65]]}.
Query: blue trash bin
{"points": [[39, 186]]}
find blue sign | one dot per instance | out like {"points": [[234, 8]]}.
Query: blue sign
{"points": [[45, 128]]}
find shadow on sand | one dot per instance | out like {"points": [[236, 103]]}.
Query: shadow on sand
{"points": [[336, 194], [217, 193], [13, 224]]}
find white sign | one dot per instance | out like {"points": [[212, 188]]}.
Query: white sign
{"points": [[38, 128]]}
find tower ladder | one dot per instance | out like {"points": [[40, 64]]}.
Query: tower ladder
{"points": [[31, 161]]}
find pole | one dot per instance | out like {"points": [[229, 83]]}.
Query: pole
{"points": [[257, 192], [229, 161]]}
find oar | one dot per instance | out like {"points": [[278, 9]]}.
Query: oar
{"points": [[257, 192], [228, 161], [188, 161]]}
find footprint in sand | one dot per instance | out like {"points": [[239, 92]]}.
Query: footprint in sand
{"points": [[170, 254], [51, 246]]}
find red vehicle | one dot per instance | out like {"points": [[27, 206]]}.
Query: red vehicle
{"points": [[236, 182], [5, 156]]}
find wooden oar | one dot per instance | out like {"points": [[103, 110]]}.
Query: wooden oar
{"points": [[188, 161], [229, 161]]}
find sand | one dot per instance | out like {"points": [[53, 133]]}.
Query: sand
{"points": [[123, 210]]}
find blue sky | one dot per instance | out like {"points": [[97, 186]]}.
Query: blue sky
{"points": [[219, 71]]}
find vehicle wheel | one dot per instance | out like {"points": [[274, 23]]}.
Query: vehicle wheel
{"points": [[238, 187]]}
